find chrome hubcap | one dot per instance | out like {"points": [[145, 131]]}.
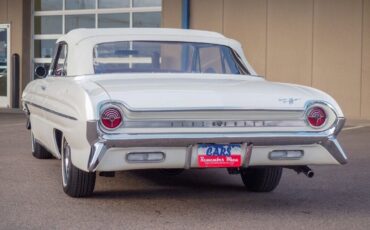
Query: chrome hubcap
{"points": [[32, 143], [66, 163]]}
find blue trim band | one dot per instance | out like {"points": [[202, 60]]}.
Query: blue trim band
{"points": [[185, 22]]}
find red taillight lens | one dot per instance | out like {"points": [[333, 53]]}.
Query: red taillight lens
{"points": [[111, 118], [316, 117]]}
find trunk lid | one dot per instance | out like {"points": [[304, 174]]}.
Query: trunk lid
{"points": [[141, 92]]}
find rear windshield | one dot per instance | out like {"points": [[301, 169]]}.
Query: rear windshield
{"points": [[166, 57]]}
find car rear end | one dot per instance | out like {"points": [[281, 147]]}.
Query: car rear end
{"points": [[126, 139]]}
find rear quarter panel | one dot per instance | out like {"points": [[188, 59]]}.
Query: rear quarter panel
{"points": [[68, 107], [69, 97]]}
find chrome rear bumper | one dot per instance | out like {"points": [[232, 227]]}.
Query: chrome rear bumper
{"points": [[100, 143]]}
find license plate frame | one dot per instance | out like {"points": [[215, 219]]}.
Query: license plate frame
{"points": [[219, 155]]}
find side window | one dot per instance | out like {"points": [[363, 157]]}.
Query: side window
{"points": [[210, 60], [58, 66], [217, 59]]}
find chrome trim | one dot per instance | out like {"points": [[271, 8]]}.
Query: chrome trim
{"points": [[185, 139], [32, 142], [223, 108], [96, 155], [213, 123], [248, 155], [110, 105], [285, 158], [92, 131], [299, 122], [50, 111], [310, 104], [155, 161], [189, 156], [66, 163], [339, 126], [332, 145], [325, 138]]}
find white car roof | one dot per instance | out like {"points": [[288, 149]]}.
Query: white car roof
{"points": [[77, 35], [82, 41]]}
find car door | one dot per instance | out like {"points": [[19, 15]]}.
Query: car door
{"points": [[35, 101], [53, 86]]}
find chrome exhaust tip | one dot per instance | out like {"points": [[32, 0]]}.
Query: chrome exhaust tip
{"points": [[309, 173], [303, 169]]}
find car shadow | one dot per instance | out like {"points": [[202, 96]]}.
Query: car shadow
{"points": [[190, 183], [214, 188]]}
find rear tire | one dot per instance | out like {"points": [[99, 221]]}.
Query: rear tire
{"points": [[38, 151], [261, 179], [76, 182]]}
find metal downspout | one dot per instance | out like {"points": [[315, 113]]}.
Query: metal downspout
{"points": [[185, 22]]}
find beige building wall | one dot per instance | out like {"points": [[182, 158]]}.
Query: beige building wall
{"points": [[17, 14], [289, 41], [337, 51], [172, 13], [250, 15], [365, 82], [319, 43], [210, 9]]}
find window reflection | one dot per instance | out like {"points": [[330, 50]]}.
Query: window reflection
{"points": [[146, 3], [48, 5], [114, 20], [113, 3], [48, 25], [168, 57], [150, 19], [3, 62], [79, 4], [44, 48], [79, 21]]}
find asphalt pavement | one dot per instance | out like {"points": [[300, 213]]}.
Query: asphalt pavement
{"points": [[31, 194]]}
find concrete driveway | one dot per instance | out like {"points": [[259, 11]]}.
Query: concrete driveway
{"points": [[31, 195]]}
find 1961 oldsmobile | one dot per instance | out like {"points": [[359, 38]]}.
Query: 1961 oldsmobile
{"points": [[170, 99]]}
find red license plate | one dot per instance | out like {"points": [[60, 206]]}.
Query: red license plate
{"points": [[219, 155]]}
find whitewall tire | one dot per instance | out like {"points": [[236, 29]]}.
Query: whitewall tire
{"points": [[76, 182]]}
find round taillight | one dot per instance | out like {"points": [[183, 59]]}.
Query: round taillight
{"points": [[111, 118], [316, 117]]}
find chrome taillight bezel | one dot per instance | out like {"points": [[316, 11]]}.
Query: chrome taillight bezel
{"points": [[329, 109], [309, 111], [103, 109]]}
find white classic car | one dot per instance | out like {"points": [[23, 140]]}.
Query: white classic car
{"points": [[171, 99]]}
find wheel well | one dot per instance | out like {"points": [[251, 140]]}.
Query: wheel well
{"points": [[58, 139]]}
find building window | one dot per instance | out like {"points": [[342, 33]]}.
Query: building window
{"points": [[53, 18], [102, 4], [79, 4], [120, 20], [79, 21], [48, 25], [147, 19], [43, 5]]}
